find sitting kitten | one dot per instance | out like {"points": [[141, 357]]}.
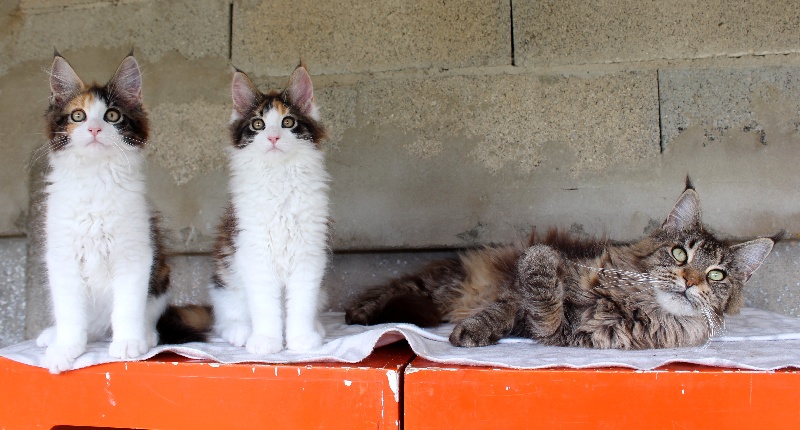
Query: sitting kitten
{"points": [[669, 289], [273, 236], [105, 263]]}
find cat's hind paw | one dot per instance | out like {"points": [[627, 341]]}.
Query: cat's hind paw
{"points": [[47, 337], [360, 315], [472, 332], [235, 334], [60, 358], [262, 345], [128, 348], [304, 342]]}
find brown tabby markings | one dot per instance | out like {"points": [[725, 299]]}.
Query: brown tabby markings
{"points": [[562, 290]]}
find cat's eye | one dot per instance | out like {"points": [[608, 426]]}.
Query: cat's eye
{"points": [[679, 254], [257, 124], [716, 275], [288, 122], [78, 115], [112, 116]]}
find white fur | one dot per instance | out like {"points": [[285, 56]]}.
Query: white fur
{"points": [[280, 200], [98, 249]]}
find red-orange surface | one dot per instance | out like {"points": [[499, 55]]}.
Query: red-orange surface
{"points": [[171, 392], [675, 397]]}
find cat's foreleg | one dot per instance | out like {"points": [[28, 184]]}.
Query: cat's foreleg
{"points": [[303, 330], [540, 293], [129, 315], [263, 290], [66, 340], [487, 326]]}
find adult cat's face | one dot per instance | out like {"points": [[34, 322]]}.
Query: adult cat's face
{"points": [[277, 124], [696, 274], [95, 119]]}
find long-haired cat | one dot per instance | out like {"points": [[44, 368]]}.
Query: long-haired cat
{"points": [[105, 264], [274, 235], [669, 289]]}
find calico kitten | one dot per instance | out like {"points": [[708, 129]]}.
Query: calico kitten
{"points": [[105, 262], [273, 236], [669, 289]]}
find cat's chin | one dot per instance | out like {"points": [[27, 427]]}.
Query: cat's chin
{"points": [[675, 303]]}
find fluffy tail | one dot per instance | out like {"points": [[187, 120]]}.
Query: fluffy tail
{"points": [[183, 324]]}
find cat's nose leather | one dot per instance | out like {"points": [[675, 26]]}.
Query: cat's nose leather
{"points": [[94, 130], [273, 139]]}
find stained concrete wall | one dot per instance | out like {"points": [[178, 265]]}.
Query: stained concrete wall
{"points": [[452, 123]]}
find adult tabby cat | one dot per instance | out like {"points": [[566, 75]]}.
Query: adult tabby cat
{"points": [[669, 289], [274, 236], [105, 265]]}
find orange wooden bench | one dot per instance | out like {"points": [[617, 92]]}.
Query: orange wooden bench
{"points": [[677, 396], [390, 389], [172, 392]]}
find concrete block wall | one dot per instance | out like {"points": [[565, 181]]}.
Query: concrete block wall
{"points": [[452, 123]]}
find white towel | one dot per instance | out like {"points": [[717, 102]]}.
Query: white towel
{"points": [[756, 339]]}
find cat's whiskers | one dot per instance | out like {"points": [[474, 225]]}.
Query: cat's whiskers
{"points": [[44, 149]]}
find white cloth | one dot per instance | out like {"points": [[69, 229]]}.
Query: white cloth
{"points": [[756, 339]]}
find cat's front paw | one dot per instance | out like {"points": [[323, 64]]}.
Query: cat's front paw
{"points": [[47, 337], [128, 348], [304, 342], [472, 332], [260, 344], [235, 334], [60, 358]]}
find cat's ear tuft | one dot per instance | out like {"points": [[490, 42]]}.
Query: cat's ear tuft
{"points": [[126, 84], [301, 92], [686, 212], [64, 82], [243, 93], [749, 255]]}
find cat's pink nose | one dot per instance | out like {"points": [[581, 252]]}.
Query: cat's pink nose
{"points": [[273, 139], [94, 130]]}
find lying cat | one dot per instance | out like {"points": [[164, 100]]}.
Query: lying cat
{"points": [[669, 289]]}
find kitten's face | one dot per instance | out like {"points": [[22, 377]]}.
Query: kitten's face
{"points": [[696, 273], [95, 119], [275, 125]]}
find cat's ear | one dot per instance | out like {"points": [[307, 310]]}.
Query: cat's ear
{"points": [[126, 84], [686, 212], [749, 255], [301, 92], [64, 82], [244, 94]]}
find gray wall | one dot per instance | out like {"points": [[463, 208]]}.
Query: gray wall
{"points": [[452, 123]]}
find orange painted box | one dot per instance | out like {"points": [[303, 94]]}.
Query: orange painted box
{"points": [[172, 392], [673, 397]]}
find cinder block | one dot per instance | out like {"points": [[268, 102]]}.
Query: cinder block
{"points": [[738, 132], [610, 31], [195, 29], [12, 290], [462, 160], [776, 285], [270, 37]]}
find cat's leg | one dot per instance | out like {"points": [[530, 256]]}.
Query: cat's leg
{"points": [[541, 294], [66, 340], [131, 268], [231, 315], [487, 326], [263, 290], [303, 304], [156, 305]]}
